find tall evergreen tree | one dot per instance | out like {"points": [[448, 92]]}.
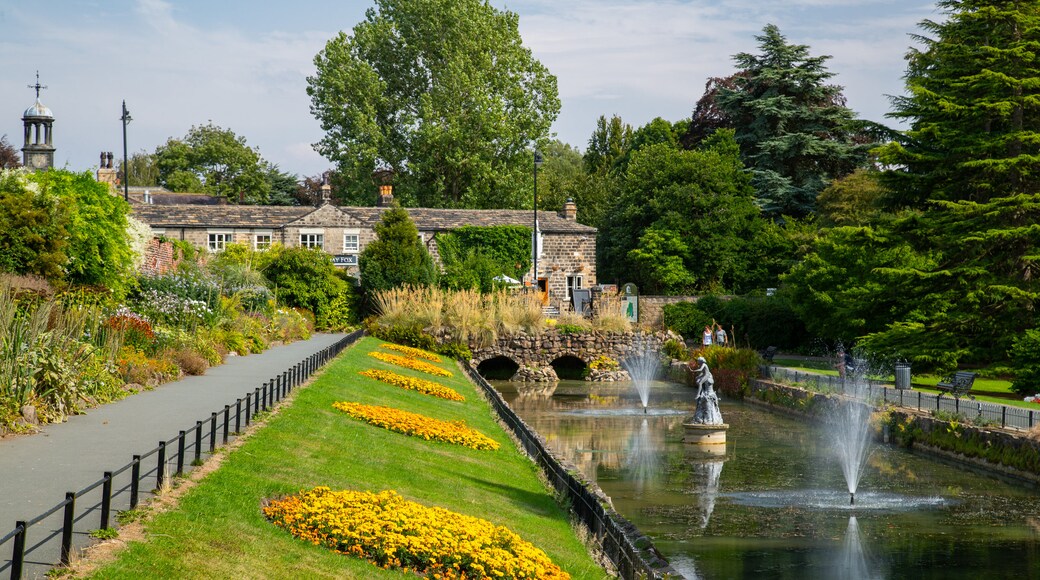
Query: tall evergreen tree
{"points": [[973, 106], [397, 256], [794, 130]]}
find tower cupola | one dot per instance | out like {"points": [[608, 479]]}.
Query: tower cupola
{"points": [[38, 121]]}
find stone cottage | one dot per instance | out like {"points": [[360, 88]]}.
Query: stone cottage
{"points": [[567, 249]]}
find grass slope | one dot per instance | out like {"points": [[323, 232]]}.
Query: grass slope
{"points": [[217, 531]]}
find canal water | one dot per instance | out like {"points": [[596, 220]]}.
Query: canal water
{"points": [[774, 504]]}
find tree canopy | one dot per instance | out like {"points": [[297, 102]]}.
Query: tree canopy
{"points": [[683, 221], [973, 106], [443, 94], [213, 160], [794, 131]]}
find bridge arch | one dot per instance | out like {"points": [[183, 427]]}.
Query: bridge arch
{"points": [[569, 366], [499, 367]]}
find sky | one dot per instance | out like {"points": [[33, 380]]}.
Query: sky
{"points": [[244, 67]]}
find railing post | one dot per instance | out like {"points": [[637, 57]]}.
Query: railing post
{"points": [[162, 465], [212, 432], [238, 416], [18, 557], [106, 500], [256, 401], [1003, 416], [66, 527], [227, 422], [198, 442], [135, 485], [1030, 418], [249, 406], [285, 381], [180, 452]]}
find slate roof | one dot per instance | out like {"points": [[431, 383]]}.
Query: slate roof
{"points": [[264, 216]]}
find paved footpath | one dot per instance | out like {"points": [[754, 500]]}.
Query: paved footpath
{"points": [[37, 470]]}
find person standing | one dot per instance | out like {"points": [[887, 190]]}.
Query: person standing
{"points": [[708, 334], [720, 336]]}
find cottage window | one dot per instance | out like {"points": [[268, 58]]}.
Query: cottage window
{"points": [[219, 240], [350, 243], [261, 242], [574, 282], [312, 241]]}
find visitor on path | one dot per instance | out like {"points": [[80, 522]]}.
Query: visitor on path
{"points": [[707, 412], [720, 336], [708, 334]]}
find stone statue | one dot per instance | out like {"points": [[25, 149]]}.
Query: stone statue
{"points": [[707, 412]]}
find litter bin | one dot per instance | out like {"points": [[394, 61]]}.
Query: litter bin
{"points": [[902, 375]]}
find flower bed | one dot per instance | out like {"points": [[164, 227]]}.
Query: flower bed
{"points": [[411, 363], [413, 352], [413, 384], [417, 425], [390, 531]]}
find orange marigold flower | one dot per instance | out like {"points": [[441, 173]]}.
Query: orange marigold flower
{"points": [[390, 531], [411, 363], [417, 425], [413, 384], [413, 352]]}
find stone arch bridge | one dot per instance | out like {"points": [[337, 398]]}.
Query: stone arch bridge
{"points": [[551, 355]]}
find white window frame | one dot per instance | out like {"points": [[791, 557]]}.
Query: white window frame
{"points": [[574, 282], [217, 240], [356, 246], [312, 238], [257, 243]]}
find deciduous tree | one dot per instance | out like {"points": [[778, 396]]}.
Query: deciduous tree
{"points": [[441, 92], [215, 161], [9, 157]]}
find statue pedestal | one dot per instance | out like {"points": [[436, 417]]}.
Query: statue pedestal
{"points": [[711, 437]]}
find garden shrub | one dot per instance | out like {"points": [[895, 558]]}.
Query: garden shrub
{"points": [[685, 319], [306, 278], [190, 361], [675, 349]]}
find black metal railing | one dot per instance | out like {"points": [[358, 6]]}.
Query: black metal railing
{"points": [[614, 535], [984, 412], [116, 490]]}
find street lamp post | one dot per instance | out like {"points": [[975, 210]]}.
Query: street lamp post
{"points": [[534, 237], [126, 166]]}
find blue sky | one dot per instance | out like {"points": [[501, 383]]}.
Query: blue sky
{"points": [[243, 65]]}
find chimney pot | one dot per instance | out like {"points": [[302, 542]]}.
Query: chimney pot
{"points": [[569, 211], [386, 195]]}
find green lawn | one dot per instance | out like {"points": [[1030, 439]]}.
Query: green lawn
{"points": [[984, 389], [217, 531]]}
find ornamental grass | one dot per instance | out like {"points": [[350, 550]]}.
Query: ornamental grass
{"points": [[412, 352], [416, 425], [413, 384], [411, 363], [390, 531]]}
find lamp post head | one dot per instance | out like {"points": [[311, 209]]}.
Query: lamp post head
{"points": [[537, 158]]}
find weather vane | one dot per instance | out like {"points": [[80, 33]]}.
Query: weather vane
{"points": [[37, 86]]}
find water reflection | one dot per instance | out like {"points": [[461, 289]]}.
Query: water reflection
{"points": [[779, 507]]}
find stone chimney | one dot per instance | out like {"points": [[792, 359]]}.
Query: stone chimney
{"points": [[386, 196], [569, 211], [105, 173], [326, 188]]}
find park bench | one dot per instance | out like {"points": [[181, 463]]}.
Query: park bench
{"points": [[958, 384], [768, 353]]}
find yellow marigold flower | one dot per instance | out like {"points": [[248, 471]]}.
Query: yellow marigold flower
{"points": [[390, 531], [417, 425], [413, 352], [413, 384], [411, 363]]}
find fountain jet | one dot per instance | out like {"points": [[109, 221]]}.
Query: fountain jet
{"points": [[852, 499], [642, 364]]}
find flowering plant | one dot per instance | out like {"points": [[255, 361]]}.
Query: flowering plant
{"points": [[390, 531], [413, 352], [416, 425], [411, 363], [413, 384]]}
